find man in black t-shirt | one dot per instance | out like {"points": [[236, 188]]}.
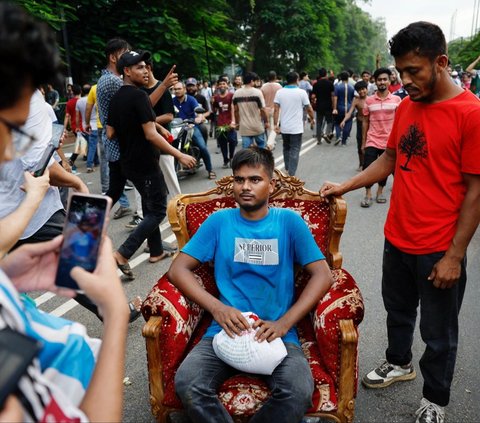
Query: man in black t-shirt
{"points": [[164, 111], [131, 120], [322, 93]]}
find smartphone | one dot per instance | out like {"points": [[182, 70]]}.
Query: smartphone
{"points": [[85, 225], [16, 353], [57, 132]]}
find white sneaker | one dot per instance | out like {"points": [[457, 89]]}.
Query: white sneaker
{"points": [[430, 412], [386, 374]]}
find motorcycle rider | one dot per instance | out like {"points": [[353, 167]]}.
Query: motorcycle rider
{"points": [[186, 105], [192, 89]]}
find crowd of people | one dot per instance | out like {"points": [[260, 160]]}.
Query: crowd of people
{"points": [[407, 117]]}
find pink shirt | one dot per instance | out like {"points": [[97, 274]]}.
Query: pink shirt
{"points": [[381, 113]]}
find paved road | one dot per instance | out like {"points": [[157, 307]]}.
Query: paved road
{"points": [[361, 245]]}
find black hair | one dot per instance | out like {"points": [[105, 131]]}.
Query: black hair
{"points": [[303, 74], [366, 71], [343, 76], [360, 85], [222, 79], [291, 77], [76, 89], [114, 45], [253, 157], [29, 54], [86, 89], [379, 71], [423, 38], [249, 77], [272, 76], [322, 72]]}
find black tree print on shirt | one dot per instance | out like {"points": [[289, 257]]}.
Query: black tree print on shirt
{"points": [[413, 143]]}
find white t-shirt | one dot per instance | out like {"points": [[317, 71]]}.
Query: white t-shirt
{"points": [[81, 107], [292, 100]]}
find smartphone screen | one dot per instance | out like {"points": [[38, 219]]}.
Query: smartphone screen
{"points": [[84, 226], [57, 131]]}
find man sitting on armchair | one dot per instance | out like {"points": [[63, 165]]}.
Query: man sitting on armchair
{"points": [[254, 249]]}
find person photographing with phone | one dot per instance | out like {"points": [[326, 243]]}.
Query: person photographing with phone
{"points": [[74, 377]]}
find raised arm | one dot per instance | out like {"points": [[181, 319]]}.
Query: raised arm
{"points": [[471, 66]]}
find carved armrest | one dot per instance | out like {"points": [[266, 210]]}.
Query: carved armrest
{"points": [[335, 322]]}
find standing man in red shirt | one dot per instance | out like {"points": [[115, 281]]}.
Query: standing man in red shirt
{"points": [[225, 122], [433, 148], [378, 115]]}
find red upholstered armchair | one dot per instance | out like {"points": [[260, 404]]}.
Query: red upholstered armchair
{"points": [[328, 334]]}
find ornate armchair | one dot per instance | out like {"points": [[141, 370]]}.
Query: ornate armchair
{"points": [[328, 335]]}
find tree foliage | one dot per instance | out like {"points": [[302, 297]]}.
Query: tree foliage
{"points": [[258, 34]]}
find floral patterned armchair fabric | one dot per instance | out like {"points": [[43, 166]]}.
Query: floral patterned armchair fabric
{"points": [[329, 335]]}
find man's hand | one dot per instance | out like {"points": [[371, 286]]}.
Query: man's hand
{"points": [[103, 286], [66, 166], [230, 319], [187, 161], [277, 129], [171, 78], [330, 188], [33, 267], [334, 112], [200, 119], [342, 124], [446, 272], [36, 187], [268, 330]]}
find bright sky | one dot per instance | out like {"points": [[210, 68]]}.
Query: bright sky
{"points": [[400, 13]]}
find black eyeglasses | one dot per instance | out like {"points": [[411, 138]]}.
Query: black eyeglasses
{"points": [[21, 139]]}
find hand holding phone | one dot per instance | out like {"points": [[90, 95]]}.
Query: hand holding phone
{"points": [[85, 225]]}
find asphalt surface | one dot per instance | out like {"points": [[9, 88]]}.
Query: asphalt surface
{"points": [[361, 245]]}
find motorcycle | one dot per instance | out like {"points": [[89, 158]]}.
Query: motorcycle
{"points": [[182, 131]]}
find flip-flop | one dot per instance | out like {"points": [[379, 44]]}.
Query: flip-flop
{"points": [[366, 202], [165, 254], [126, 270], [164, 247], [212, 175], [134, 311], [381, 199]]}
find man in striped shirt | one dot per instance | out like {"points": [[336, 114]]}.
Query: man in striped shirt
{"points": [[379, 112]]}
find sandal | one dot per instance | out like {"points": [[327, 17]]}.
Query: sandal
{"points": [[165, 254], [381, 199], [135, 307], [366, 202], [212, 175], [126, 270]]}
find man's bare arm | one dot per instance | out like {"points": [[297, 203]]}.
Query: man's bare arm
{"points": [[378, 170], [446, 271]]}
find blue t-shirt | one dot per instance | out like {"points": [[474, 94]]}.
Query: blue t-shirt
{"points": [[186, 109], [340, 94], [254, 260]]}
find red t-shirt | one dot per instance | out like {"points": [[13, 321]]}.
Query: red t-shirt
{"points": [[224, 107], [435, 144], [70, 109]]}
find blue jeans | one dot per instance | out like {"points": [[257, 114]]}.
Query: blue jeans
{"points": [[153, 191], [198, 140], [259, 139], [92, 155], [292, 143], [345, 132], [202, 372], [404, 286]]}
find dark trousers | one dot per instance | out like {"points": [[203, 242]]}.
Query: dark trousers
{"points": [[324, 116], [228, 142], [372, 154], [51, 229], [117, 181], [404, 286], [292, 144], [153, 191]]}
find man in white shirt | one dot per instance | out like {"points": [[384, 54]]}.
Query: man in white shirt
{"points": [[290, 102]]}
